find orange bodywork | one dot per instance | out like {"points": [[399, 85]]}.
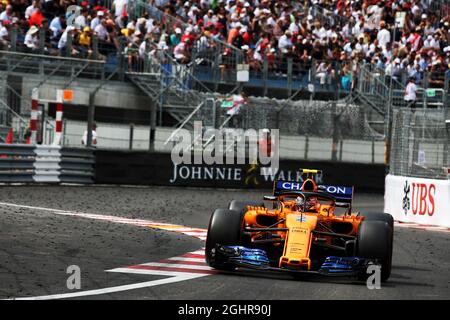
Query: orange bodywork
{"points": [[300, 229]]}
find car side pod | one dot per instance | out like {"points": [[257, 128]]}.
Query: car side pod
{"points": [[298, 241]]}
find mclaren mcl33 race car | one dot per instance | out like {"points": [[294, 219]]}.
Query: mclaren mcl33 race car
{"points": [[310, 228]]}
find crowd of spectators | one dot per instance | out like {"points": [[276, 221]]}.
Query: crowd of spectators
{"points": [[45, 26], [327, 35]]}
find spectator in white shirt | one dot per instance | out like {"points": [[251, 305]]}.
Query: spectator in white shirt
{"points": [[427, 42], [56, 25], [31, 39], [81, 20], [4, 35], [94, 136], [208, 17], [285, 41], [119, 7], [435, 43], [63, 40], [101, 31], [411, 93], [384, 36], [35, 6], [97, 20], [8, 14], [294, 26]]}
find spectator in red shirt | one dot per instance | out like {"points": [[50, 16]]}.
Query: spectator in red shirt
{"points": [[233, 33], [36, 18], [188, 34]]}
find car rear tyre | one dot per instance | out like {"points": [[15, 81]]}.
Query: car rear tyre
{"points": [[374, 241], [225, 228]]}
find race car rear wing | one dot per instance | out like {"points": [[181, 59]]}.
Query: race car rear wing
{"points": [[342, 194]]}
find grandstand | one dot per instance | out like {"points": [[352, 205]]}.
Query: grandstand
{"points": [[178, 56], [277, 39]]}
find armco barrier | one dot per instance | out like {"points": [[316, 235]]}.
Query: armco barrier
{"points": [[17, 163], [21, 163], [77, 165], [417, 200], [47, 163], [146, 168]]}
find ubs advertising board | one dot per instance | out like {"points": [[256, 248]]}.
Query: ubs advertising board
{"points": [[423, 201], [146, 168]]}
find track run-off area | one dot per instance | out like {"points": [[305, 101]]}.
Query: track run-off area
{"points": [[146, 243]]}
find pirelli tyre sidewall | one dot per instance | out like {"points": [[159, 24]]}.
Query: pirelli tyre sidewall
{"points": [[225, 228], [374, 241]]}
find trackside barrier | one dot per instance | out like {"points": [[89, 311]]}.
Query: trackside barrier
{"points": [[22, 163], [46, 163], [17, 163], [77, 165], [157, 168], [418, 200]]}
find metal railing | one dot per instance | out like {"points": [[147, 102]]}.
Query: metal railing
{"points": [[48, 66], [325, 16], [440, 7]]}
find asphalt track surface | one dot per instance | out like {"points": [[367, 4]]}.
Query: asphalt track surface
{"points": [[37, 246]]}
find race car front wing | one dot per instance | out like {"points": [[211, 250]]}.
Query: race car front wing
{"points": [[249, 258]]}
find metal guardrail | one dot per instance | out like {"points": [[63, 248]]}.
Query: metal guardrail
{"points": [[48, 66], [17, 163], [22, 163], [77, 165]]}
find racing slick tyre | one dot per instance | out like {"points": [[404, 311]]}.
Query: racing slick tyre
{"points": [[374, 241], [386, 217], [225, 228], [239, 206]]}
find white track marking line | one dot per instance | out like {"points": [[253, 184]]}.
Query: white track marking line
{"points": [[159, 272], [195, 234], [175, 265], [199, 251], [179, 277], [187, 259]]}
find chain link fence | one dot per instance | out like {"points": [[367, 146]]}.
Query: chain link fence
{"points": [[420, 144]]}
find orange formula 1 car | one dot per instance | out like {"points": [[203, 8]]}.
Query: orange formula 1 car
{"points": [[309, 229]]}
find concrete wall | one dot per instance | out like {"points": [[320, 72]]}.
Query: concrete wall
{"points": [[291, 147], [114, 94]]}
